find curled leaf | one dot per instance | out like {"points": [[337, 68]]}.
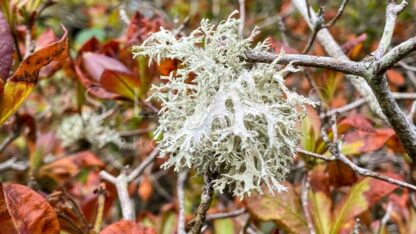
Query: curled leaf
{"points": [[18, 87], [25, 211]]}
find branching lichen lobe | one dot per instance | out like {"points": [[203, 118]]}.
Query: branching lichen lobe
{"points": [[233, 119]]}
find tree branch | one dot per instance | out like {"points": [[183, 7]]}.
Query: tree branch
{"points": [[139, 170], [394, 114], [206, 198], [121, 182], [396, 54], [341, 65], [334, 50], [393, 10]]}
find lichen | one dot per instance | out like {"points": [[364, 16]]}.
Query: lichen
{"points": [[222, 114], [89, 127]]}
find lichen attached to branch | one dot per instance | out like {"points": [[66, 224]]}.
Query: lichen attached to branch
{"points": [[222, 114]]}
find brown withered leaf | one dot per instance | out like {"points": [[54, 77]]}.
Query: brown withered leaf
{"points": [[340, 174], [25, 211], [70, 217], [18, 87], [127, 227]]}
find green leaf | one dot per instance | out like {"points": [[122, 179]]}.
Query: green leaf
{"points": [[321, 213]]}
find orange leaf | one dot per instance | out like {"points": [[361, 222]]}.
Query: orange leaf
{"points": [[70, 166], [146, 189], [121, 83], [26, 210], [18, 87], [284, 208], [127, 227], [167, 65], [395, 77]]}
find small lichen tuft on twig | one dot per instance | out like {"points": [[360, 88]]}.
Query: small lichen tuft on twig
{"points": [[222, 114]]}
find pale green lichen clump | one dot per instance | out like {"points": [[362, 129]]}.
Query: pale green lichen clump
{"points": [[89, 127], [235, 119]]}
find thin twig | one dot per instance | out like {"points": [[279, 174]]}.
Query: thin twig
{"points": [[183, 175], [385, 218], [316, 27], [304, 200], [242, 4], [337, 16], [333, 49], [334, 148], [320, 24], [122, 180], [282, 29], [10, 138], [13, 164], [308, 7], [195, 225], [121, 183], [139, 170], [345, 108], [392, 11], [226, 215]]}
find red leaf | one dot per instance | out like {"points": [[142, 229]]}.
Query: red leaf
{"points": [[278, 47], [369, 141], [95, 64], [6, 48], [94, 88], [127, 227], [140, 28], [29, 211], [121, 83], [355, 121]]}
